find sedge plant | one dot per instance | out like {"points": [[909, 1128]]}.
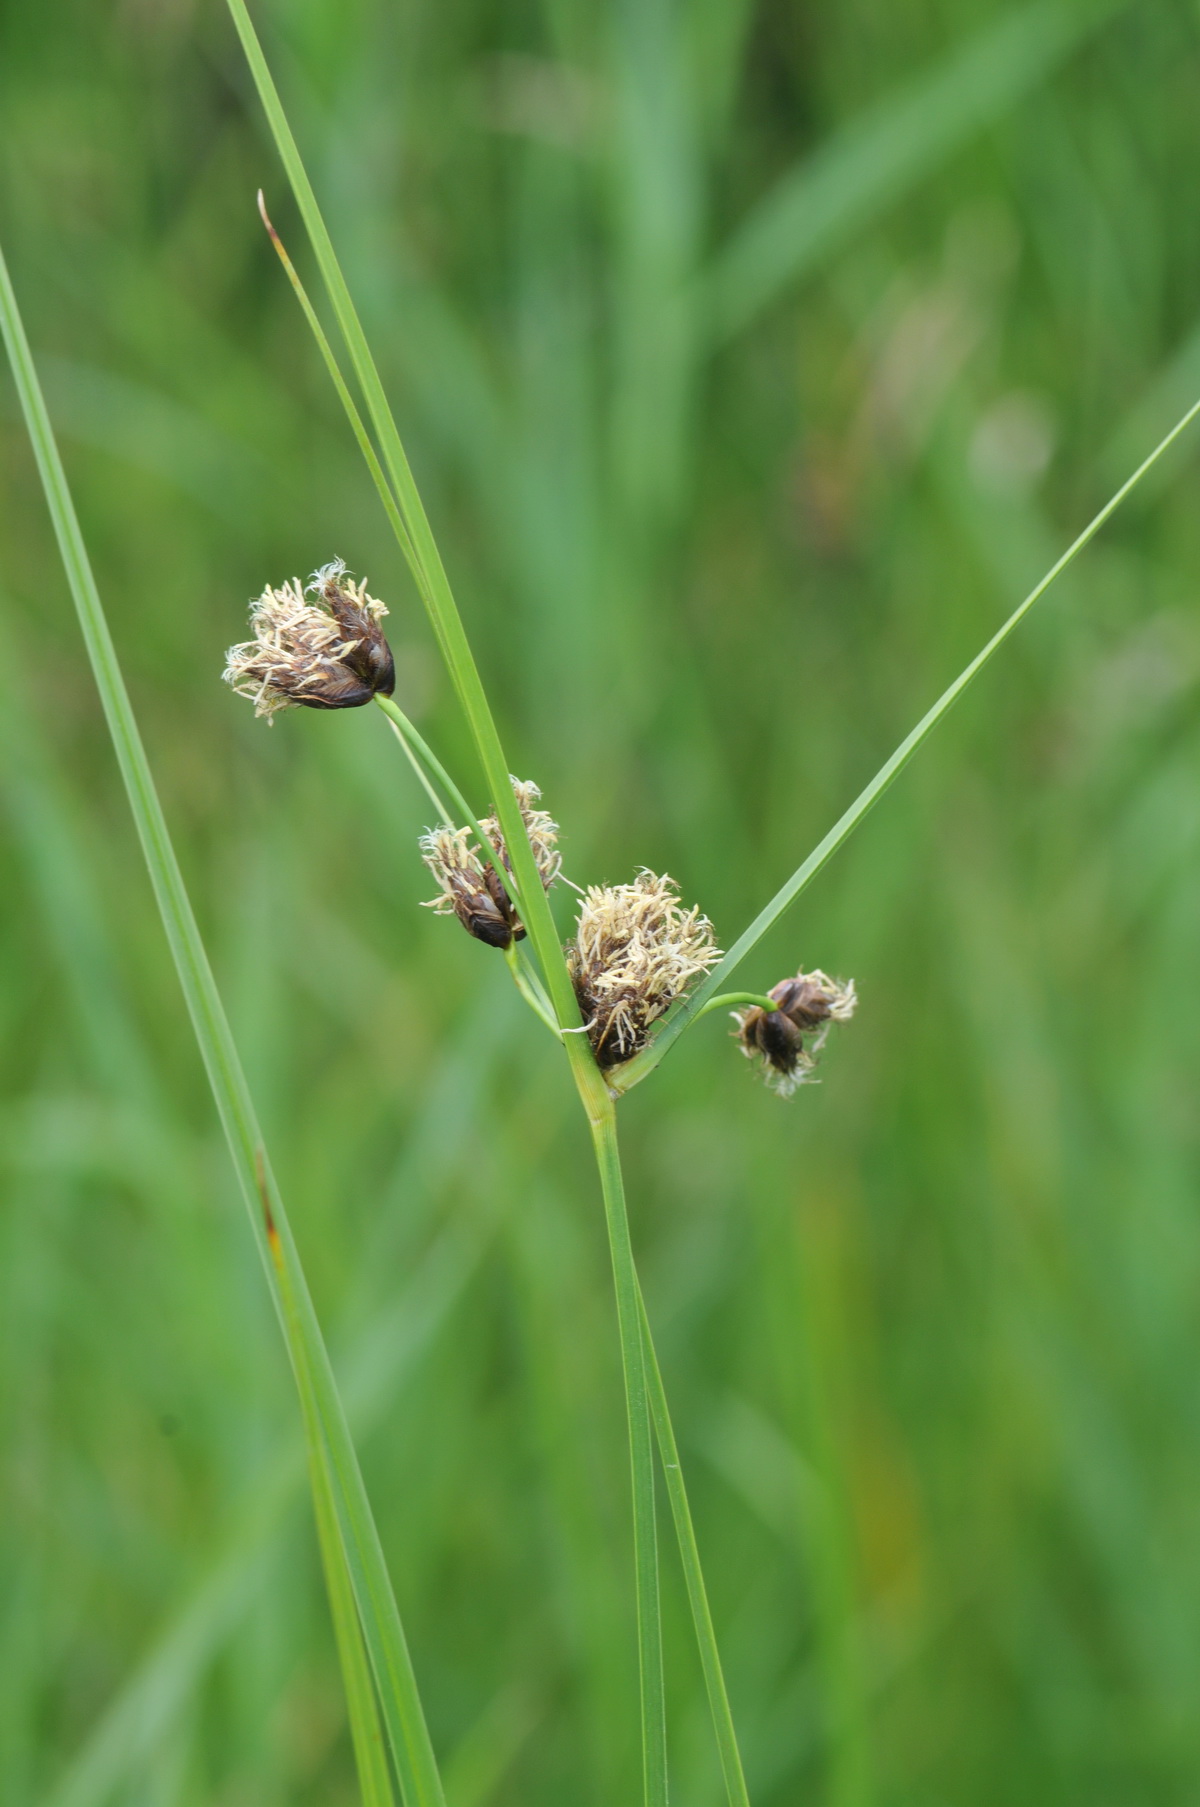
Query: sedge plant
{"points": [[641, 970]]}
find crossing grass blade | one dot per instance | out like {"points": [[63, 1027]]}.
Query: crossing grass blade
{"points": [[399, 1700], [642, 1064]]}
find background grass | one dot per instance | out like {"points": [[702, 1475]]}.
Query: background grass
{"points": [[727, 499]]}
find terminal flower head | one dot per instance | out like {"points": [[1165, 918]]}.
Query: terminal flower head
{"points": [[329, 653], [635, 951]]}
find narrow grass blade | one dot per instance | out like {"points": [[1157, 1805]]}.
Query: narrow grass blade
{"points": [[432, 581], [381, 1622], [841, 831], [366, 1732], [832, 194], [374, 1777], [645, 1537], [693, 1574], [343, 393]]}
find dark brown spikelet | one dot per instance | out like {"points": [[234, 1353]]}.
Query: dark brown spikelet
{"points": [[805, 1007], [367, 653], [330, 654], [472, 883], [469, 889]]}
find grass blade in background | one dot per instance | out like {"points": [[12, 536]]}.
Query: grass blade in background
{"points": [[381, 1623], [637, 1069], [831, 195]]}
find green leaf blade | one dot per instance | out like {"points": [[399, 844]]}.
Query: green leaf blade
{"points": [[816, 208], [695, 1005], [399, 1699]]}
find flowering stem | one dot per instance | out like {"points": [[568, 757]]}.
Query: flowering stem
{"points": [[422, 776], [645, 1542], [402, 502], [693, 1574], [530, 987], [735, 997]]}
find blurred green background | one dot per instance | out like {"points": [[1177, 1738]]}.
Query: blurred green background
{"points": [[753, 361]]}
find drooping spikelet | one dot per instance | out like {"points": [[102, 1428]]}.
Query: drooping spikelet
{"points": [[327, 654], [471, 887], [806, 1006], [635, 951]]}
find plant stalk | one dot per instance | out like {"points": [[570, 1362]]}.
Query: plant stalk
{"points": [[641, 1454], [693, 1574]]}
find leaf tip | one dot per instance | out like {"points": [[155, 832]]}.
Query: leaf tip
{"points": [[266, 218]]}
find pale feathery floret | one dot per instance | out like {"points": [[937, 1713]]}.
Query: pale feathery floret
{"points": [[540, 826], [788, 1039], [327, 654], [470, 882], [635, 951]]}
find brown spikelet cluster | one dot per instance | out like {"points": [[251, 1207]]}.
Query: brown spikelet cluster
{"points": [[788, 1039], [635, 951], [470, 882], [329, 653]]}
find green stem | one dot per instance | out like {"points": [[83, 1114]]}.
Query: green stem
{"points": [[735, 997], [693, 1574], [645, 1543], [409, 735], [442, 814], [530, 987]]}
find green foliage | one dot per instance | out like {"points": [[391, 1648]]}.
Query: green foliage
{"points": [[927, 1330]]}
